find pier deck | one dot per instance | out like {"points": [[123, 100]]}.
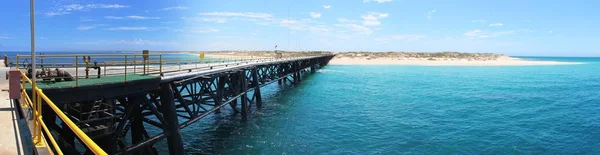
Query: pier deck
{"points": [[93, 81]]}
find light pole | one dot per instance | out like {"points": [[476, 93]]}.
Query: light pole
{"points": [[32, 26]]}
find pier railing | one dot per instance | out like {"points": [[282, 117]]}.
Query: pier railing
{"points": [[35, 103], [85, 66]]}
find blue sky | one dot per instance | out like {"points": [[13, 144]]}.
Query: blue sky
{"points": [[513, 27]]}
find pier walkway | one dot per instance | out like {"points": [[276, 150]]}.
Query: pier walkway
{"points": [[112, 108], [10, 141]]}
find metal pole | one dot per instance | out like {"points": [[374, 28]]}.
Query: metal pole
{"points": [[125, 68], [33, 77]]}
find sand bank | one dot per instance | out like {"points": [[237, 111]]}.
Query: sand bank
{"points": [[425, 62]]}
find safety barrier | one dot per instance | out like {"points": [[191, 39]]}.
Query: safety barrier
{"points": [[35, 103], [120, 64]]}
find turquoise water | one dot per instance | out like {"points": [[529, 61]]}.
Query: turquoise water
{"points": [[418, 110]]}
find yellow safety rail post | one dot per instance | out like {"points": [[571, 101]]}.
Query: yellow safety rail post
{"points": [[104, 67], [76, 72], [125, 68], [134, 63], [160, 65], [54, 144], [38, 118]]}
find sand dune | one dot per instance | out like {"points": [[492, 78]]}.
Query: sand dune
{"points": [[444, 62]]}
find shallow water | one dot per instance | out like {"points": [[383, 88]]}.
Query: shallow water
{"points": [[418, 110]]}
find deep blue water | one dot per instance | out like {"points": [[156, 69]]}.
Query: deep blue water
{"points": [[418, 110]]}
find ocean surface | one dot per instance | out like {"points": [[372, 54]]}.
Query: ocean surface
{"points": [[418, 110]]}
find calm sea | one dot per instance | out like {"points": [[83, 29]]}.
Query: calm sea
{"points": [[418, 110]]}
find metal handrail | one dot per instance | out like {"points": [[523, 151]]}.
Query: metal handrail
{"points": [[126, 57], [84, 137], [39, 123]]}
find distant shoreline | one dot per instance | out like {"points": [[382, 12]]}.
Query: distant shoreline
{"points": [[408, 58], [510, 61]]}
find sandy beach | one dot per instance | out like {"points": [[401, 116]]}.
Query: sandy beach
{"points": [[446, 62]]}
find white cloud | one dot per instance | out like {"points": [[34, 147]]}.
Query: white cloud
{"points": [[326, 6], [229, 37], [357, 29], [483, 34], [127, 28], [206, 19], [265, 16], [430, 14], [6, 37], [217, 20], [550, 31], [525, 30], [73, 7], [198, 30], [496, 25], [319, 29], [56, 13], [372, 18], [86, 27], [404, 37], [142, 17], [105, 6], [344, 20], [112, 17], [174, 8], [304, 25], [205, 30], [378, 1], [315, 15], [288, 21], [132, 42], [68, 9], [131, 17], [472, 33], [86, 20]]}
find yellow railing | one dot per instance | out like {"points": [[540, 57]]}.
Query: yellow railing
{"points": [[38, 124]]}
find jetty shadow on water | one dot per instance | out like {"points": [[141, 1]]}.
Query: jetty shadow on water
{"points": [[220, 131]]}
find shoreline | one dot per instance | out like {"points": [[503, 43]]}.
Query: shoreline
{"points": [[424, 62]]}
